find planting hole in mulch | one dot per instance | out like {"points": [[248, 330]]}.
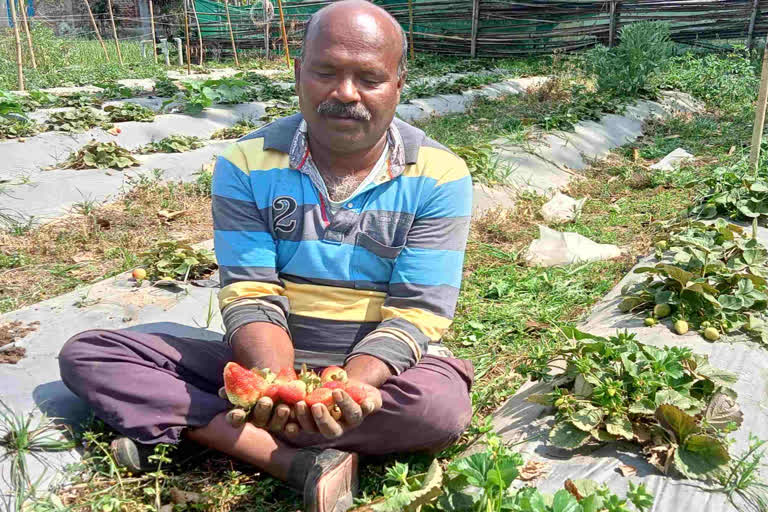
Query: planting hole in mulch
{"points": [[9, 334]]}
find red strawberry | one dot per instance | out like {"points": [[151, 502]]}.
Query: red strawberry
{"points": [[334, 384], [293, 392], [320, 396], [334, 373], [286, 375], [243, 387], [356, 390], [273, 392]]}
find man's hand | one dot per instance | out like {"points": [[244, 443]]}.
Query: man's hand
{"points": [[320, 419]]}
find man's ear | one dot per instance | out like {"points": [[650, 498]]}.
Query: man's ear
{"points": [[296, 71]]}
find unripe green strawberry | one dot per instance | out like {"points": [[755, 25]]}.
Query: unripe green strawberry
{"points": [[650, 321], [662, 245], [662, 310], [681, 327], [711, 334]]}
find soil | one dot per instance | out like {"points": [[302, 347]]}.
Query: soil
{"points": [[9, 333]]}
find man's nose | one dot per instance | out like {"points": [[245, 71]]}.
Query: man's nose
{"points": [[346, 91]]}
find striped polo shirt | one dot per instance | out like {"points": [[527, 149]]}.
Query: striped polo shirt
{"points": [[380, 276]]}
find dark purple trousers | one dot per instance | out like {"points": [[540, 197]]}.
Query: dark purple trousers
{"points": [[150, 387]]}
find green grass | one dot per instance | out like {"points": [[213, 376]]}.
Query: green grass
{"points": [[508, 312]]}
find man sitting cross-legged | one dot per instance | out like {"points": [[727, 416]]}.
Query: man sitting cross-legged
{"points": [[340, 236]]}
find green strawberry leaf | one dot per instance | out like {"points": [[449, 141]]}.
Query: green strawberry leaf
{"points": [[566, 435], [700, 455], [676, 422]]}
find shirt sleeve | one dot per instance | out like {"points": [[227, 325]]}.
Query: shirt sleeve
{"points": [[245, 249], [427, 274]]}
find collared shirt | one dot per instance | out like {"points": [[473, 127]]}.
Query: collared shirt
{"points": [[380, 277], [301, 159]]}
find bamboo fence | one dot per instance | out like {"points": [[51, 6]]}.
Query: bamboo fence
{"points": [[505, 27]]}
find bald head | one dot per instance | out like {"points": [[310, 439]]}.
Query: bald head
{"points": [[364, 12]]}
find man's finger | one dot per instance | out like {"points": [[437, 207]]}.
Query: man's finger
{"points": [[304, 415], [262, 412], [368, 407], [327, 426], [292, 430], [351, 412], [280, 418]]}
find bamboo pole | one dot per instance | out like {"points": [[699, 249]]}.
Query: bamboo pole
{"points": [[152, 25], [199, 33], [23, 9], [96, 29], [114, 32], [613, 26], [757, 129], [751, 29], [266, 29], [186, 35], [475, 23], [410, 28], [285, 34], [19, 65], [231, 34]]}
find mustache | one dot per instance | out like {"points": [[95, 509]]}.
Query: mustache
{"points": [[350, 110]]}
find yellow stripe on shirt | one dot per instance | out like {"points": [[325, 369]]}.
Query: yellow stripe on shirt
{"points": [[332, 303], [250, 289], [432, 325]]}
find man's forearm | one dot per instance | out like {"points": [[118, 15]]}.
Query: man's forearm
{"points": [[263, 345], [368, 369]]}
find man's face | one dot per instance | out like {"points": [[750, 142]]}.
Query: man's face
{"points": [[347, 81]]}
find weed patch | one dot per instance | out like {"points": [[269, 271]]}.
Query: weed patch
{"points": [[84, 248], [239, 129]]}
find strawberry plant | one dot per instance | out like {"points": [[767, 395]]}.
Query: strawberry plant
{"points": [[239, 129], [129, 112], [667, 400], [79, 120], [278, 110], [15, 128], [115, 91], [734, 191], [100, 155], [482, 482], [711, 276], [201, 94], [9, 103], [79, 99], [39, 99], [173, 144], [177, 260]]}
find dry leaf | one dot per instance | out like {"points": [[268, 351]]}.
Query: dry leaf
{"points": [[533, 469], [661, 457], [184, 497], [166, 508], [635, 154], [169, 216], [532, 325], [571, 488], [730, 151], [81, 257], [103, 223], [626, 470]]}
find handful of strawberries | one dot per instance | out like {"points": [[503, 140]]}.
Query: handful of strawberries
{"points": [[244, 387]]}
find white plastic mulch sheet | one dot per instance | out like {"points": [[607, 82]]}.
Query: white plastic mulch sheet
{"points": [[519, 420]]}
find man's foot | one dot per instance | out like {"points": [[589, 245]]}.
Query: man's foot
{"points": [[131, 455], [328, 479]]}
